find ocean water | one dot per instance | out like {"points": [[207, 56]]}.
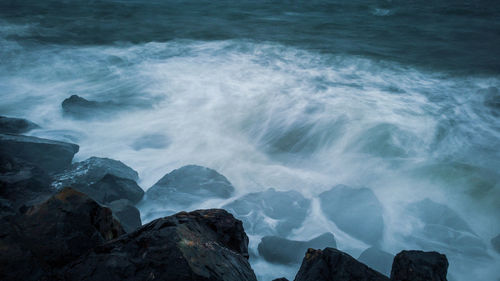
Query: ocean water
{"points": [[400, 97]]}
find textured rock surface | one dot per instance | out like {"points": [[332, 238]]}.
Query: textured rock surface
{"points": [[333, 265], [128, 215], [270, 212], [200, 245], [419, 266], [356, 211], [50, 156], [10, 125], [377, 259], [280, 250]]}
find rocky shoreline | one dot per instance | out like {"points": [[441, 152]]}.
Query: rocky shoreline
{"points": [[79, 221]]}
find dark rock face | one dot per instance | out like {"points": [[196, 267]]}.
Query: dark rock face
{"points": [[78, 107], [377, 259], [287, 210], [128, 215], [105, 180], [356, 211], [52, 234], [22, 183], [419, 266], [190, 184], [200, 245], [50, 156], [496, 243], [280, 250], [16, 125], [281, 279], [333, 265], [443, 229]]}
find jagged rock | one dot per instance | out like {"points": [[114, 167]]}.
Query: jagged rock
{"points": [[10, 125], [105, 180], [188, 185], [270, 212], [22, 183], [419, 266], [128, 215], [280, 250], [200, 245], [154, 141], [441, 228], [495, 241], [50, 156], [356, 211], [377, 259], [52, 234], [334, 265]]}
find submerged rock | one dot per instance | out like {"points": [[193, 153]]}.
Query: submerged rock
{"points": [[10, 125], [280, 250], [153, 141], [52, 234], [79, 107], [333, 265], [495, 241], [200, 245], [441, 228], [356, 211], [188, 185], [50, 156], [377, 259], [419, 266], [270, 212], [128, 215]]}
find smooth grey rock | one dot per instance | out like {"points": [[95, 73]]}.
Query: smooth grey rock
{"points": [[153, 141], [127, 214], [377, 259], [495, 241]]}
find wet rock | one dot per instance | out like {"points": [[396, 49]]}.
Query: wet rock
{"points": [[281, 279], [491, 97], [280, 250], [419, 266], [52, 234], [105, 180], [200, 245], [333, 265], [78, 107], [496, 243], [188, 185], [270, 212], [377, 259], [356, 211], [50, 156], [10, 125], [441, 228], [153, 141], [128, 215], [22, 183]]}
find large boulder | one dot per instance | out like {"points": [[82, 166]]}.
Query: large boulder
{"points": [[105, 180], [10, 125], [50, 235], [188, 185], [280, 250], [270, 212], [128, 215], [200, 245], [495, 241], [377, 259], [50, 156], [439, 227], [334, 265], [419, 266], [357, 211]]}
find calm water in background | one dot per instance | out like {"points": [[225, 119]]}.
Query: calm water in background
{"points": [[399, 96]]}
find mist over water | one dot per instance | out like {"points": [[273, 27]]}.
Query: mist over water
{"points": [[269, 106]]}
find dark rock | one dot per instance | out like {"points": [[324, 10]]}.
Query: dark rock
{"points": [[10, 125], [441, 228], [280, 250], [270, 212], [356, 211], [200, 245], [281, 279], [22, 183], [51, 156], [79, 107], [495, 241], [52, 234], [419, 266], [128, 215], [333, 265], [190, 184], [154, 141], [377, 259], [105, 180]]}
